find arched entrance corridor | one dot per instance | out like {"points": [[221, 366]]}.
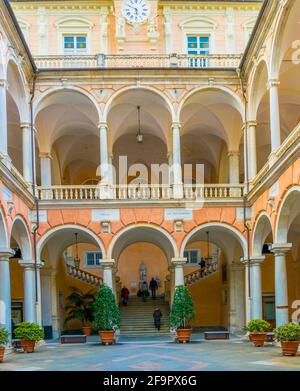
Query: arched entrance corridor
{"points": [[219, 292], [57, 249]]}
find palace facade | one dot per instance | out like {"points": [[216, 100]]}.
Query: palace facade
{"points": [[93, 94]]}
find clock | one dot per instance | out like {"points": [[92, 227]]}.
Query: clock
{"points": [[136, 11]]}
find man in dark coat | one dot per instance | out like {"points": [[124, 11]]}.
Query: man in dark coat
{"points": [[124, 295], [157, 315], [153, 286], [202, 266]]}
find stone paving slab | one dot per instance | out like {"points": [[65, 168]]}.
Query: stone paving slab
{"points": [[153, 355]]}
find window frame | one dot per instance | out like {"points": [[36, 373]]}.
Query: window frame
{"points": [[75, 51], [188, 263], [198, 48], [95, 266]]}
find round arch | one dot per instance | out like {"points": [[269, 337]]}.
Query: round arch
{"points": [[222, 227], [142, 233], [254, 80], [238, 104], [262, 228], [71, 227], [288, 210], [122, 91], [18, 90], [4, 243], [46, 94], [20, 233], [276, 46]]}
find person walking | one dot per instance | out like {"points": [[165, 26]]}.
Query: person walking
{"points": [[202, 266], [124, 295], [144, 290], [153, 286], [157, 315]]}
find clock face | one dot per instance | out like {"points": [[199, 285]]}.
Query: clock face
{"points": [[136, 11]]}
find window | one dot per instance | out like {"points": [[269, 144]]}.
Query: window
{"points": [[193, 256], [198, 45], [75, 44], [92, 258]]}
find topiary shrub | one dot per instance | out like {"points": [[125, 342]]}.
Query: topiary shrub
{"points": [[106, 310], [258, 326], [29, 331], [182, 309], [287, 332], [3, 336]]}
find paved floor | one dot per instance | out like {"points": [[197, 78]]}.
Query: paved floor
{"points": [[151, 354]]}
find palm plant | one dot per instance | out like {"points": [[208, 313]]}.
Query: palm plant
{"points": [[80, 306]]}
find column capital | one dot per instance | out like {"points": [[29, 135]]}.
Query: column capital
{"points": [[25, 125], [233, 153], [103, 125], [3, 83], [5, 253], [107, 263], [178, 261], [176, 125], [30, 264], [257, 260], [252, 123], [45, 155], [281, 248], [273, 83]]}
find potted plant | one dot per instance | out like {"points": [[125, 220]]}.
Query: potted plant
{"points": [[80, 306], [258, 331], [181, 312], [29, 333], [3, 341], [289, 337], [107, 315]]}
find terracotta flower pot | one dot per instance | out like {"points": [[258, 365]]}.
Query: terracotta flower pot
{"points": [[107, 337], [27, 345], [289, 348], [183, 335], [258, 339], [2, 350], [87, 330]]}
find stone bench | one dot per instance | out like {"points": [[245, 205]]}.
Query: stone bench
{"points": [[72, 339], [270, 337], [212, 335]]}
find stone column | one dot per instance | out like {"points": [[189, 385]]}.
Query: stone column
{"points": [[252, 157], [178, 264], [27, 152], [54, 305], [281, 289], [256, 287], [46, 298], [40, 264], [108, 265], [46, 171], [3, 122], [234, 167], [5, 298], [248, 299], [274, 117], [236, 314], [246, 154], [170, 163], [105, 188], [29, 290], [177, 170]]}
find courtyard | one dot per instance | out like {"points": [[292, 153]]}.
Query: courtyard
{"points": [[153, 354]]}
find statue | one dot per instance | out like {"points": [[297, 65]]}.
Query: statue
{"points": [[143, 272]]}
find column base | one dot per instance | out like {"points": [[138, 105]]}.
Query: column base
{"points": [[105, 192], [177, 190]]}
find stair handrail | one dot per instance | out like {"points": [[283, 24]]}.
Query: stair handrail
{"points": [[83, 275]]}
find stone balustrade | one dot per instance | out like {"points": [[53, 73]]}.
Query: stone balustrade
{"points": [[82, 275], [141, 192], [138, 61]]}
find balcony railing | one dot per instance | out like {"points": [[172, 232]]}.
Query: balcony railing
{"points": [[140, 192], [139, 61]]}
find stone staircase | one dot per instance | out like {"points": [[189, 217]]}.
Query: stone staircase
{"points": [[137, 317], [84, 276], [196, 276]]}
